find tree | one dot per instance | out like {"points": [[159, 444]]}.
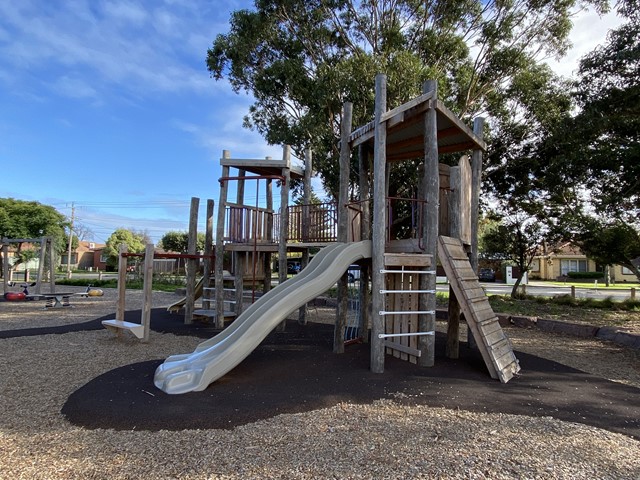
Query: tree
{"points": [[179, 242], [592, 159], [22, 219], [617, 243], [516, 238], [302, 59], [135, 244]]}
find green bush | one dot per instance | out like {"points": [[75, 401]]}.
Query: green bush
{"points": [[586, 275]]}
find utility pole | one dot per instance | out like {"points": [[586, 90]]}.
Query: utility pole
{"points": [[73, 215]]}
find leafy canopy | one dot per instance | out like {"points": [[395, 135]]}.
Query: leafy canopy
{"points": [[135, 242], [179, 242], [301, 60], [22, 219]]}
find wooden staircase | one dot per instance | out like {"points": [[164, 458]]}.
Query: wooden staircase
{"points": [[493, 344]]}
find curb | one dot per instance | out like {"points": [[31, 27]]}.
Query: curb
{"points": [[616, 335]]}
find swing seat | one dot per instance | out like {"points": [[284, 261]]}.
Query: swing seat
{"points": [[118, 325]]}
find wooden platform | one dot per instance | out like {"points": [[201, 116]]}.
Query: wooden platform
{"points": [[493, 344]]}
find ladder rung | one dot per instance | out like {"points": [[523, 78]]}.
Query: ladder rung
{"points": [[407, 291], [425, 272], [414, 312], [414, 334]]}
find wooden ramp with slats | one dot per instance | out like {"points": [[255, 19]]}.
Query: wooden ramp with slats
{"points": [[493, 344]]}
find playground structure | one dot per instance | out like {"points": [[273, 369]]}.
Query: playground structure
{"points": [[46, 252], [141, 330], [402, 271]]}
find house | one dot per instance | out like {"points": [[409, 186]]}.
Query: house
{"points": [[87, 256], [554, 263]]}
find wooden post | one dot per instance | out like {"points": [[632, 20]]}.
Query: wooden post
{"points": [[343, 225], [452, 349], [476, 187], [238, 281], [44, 243], [147, 288], [266, 286], [52, 267], [192, 263], [431, 188], [208, 250], [239, 258], [379, 225], [306, 222], [365, 234], [573, 291], [122, 281], [5, 265], [219, 268], [284, 220], [633, 293]]}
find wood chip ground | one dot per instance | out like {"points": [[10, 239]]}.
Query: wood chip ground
{"points": [[381, 440]]}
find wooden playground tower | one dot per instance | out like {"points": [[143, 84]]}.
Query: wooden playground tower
{"points": [[403, 274], [402, 270]]}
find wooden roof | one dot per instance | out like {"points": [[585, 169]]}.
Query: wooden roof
{"points": [[405, 130], [263, 166]]}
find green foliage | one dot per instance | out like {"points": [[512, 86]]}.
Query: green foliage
{"points": [[302, 59], [610, 244], [21, 219], [586, 275], [135, 244], [597, 150], [179, 241]]}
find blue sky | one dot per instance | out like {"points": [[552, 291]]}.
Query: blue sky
{"points": [[109, 105]]}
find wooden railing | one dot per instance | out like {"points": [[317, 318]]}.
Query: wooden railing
{"points": [[245, 224]]}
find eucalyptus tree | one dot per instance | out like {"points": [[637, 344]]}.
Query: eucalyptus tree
{"points": [[301, 59]]}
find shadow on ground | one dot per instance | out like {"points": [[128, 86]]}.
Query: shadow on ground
{"points": [[295, 371]]}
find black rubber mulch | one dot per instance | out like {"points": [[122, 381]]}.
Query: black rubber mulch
{"points": [[296, 371]]}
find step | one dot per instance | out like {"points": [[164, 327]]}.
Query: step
{"points": [[117, 325], [212, 313]]}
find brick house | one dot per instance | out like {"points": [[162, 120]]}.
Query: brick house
{"points": [[552, 264], [88, 256]]}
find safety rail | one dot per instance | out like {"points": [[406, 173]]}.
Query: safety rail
{"points": [[245, 224]]}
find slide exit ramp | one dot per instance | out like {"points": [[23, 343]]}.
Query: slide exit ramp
{"points": [[215, 357]]}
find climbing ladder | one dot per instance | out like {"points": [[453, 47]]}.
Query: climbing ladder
{"points": [[401, 275], [493, 344]]}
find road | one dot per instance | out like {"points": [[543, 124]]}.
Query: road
{"points": [[538, 289]]}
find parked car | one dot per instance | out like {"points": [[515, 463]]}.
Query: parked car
{"points": [[487, 275]]}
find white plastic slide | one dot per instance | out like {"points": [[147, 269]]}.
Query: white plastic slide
{"points": [[215, 357]]}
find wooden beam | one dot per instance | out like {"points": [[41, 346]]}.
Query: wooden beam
{"points": [[431, 189], [421, 99], [379, 225]]}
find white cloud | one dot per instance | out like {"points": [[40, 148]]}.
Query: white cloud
{"points": [[113, 45]]}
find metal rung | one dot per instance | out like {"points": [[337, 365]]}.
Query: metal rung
{"points": [[414, 312], [387, 335], [407, 291], [426, 272]]}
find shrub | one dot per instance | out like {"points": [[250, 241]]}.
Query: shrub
{"points": [[586, 275]]}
